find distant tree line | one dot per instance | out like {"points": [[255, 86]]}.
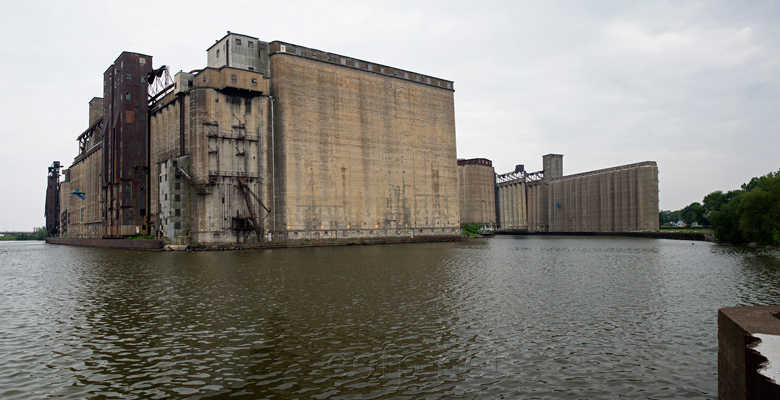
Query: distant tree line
{"points": [[750, 214], [40, 234]]}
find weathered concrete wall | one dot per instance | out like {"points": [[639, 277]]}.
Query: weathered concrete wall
{"points": [[237, 148], [223, 124], [83, 218], [553, 166], [175, 197], [738, 364], [538, 206], [360, 153], [512, 205], [618, 199], [95, 110], [476, 190], [166, 132], [110, 243], [348, 151]]}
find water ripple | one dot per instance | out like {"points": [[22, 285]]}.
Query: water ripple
{"points": [[530, 317]]}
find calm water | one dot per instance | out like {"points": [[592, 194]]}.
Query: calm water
{"points": [[509, 317]]}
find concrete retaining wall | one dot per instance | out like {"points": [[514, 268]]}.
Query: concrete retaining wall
{"points": [[693, 236], [738, 363], [110, 243]]}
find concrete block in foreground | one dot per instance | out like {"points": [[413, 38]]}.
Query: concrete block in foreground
{"points": [[742, 360]]}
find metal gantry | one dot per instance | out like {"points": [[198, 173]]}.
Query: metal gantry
{"points": [[249, 196]]}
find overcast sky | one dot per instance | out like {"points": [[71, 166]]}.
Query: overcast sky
{"points": [[694, 86]]}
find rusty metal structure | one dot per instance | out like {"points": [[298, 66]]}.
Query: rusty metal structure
{"points": [[160, 83], [125, 145], [250, 198], [52, 213]]}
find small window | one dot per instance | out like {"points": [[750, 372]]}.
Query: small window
{"points": [[128, 77], [142, 60], [251, 68], [143, 79], [166, 197], [177, 212], [254, 80], [233, 78], [217, 53], [127, 96], [238, 42], [250, 44]]}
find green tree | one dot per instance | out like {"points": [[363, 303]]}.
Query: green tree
{"points": [[40, 234], [694, 212], [717, 199], [759, 211], [667, 216], [751, 214], [725, 223], [746, 187]]}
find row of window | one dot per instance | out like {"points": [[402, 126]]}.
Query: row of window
{"points": [[234, 78], [249, 43], [476, 161], [176, 197], [129, 78]]}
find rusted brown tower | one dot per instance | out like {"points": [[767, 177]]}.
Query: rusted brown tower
{"points": [[125, 165], [52, 213]]}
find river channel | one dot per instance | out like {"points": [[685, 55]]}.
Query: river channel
{"points": [[508, 317]]}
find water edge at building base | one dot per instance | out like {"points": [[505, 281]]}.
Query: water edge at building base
{"points": [[159, 245]]}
